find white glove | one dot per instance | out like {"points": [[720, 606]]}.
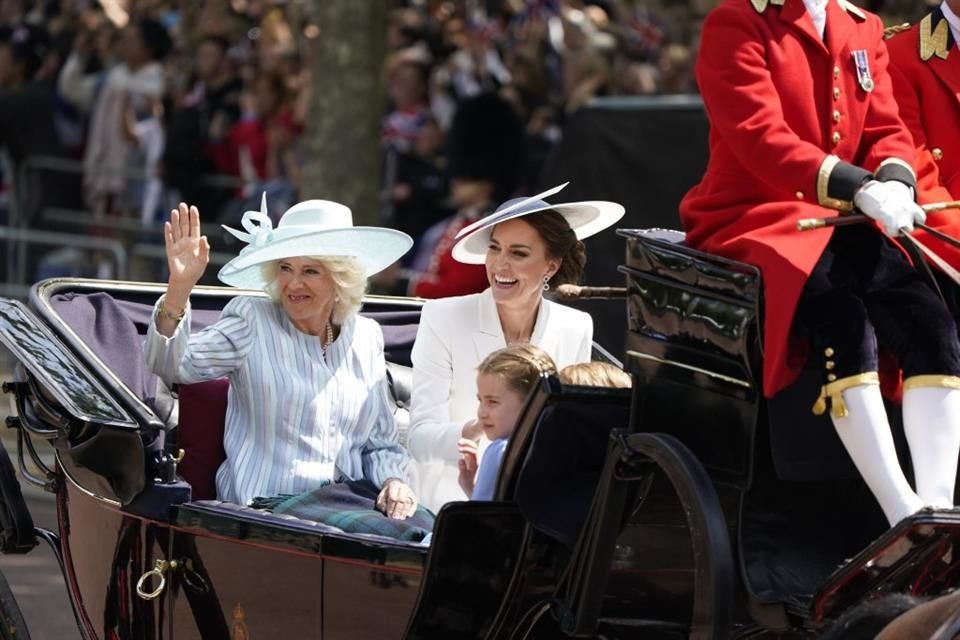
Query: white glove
{"points": [[891, 204]]}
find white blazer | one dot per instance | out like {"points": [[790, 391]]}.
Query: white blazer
{"points": [[454, 336]]}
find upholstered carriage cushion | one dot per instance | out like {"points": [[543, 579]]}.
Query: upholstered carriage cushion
{"points": [[203, 414]]}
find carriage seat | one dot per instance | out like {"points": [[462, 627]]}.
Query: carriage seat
{"points": [[113, 326], [202, 418], [559, 453]]}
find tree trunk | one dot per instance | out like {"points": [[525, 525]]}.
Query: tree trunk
{"points": [[341, 146]]}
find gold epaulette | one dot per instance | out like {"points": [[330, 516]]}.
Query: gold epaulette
{"points": [[852, 9], [934, 40], [761, 5], [889, 32]]}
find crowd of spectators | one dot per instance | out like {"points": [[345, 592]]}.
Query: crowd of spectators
{"points": [[162, 100]]}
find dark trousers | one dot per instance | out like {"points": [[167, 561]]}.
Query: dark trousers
{"points": [[951, 293], [863, 294]]}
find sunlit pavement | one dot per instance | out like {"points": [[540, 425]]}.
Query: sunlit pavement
{"points": [[35, 577]]}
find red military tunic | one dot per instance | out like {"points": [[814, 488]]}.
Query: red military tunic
{"points": [[925, 67], [792, 132], [446, 277]]}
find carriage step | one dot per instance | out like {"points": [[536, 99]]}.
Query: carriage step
{"points": [[918, 556]]}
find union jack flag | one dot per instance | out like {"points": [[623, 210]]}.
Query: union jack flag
{"points": [[536, 10], [481, 27], [646, 33]]}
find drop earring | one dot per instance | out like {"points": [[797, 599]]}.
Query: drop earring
{"points": [[546, 283]]}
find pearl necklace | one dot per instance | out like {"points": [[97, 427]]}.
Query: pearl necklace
{"points": [[329, 336]]}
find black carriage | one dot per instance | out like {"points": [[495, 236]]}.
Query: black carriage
{"points": [[654, 513]]}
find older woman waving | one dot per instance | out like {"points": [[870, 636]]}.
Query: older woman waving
{"points": [[528, 246], [308, 400]]}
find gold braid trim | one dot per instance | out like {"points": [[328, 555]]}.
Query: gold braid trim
{"points": [[934, 41], [889, 32], [920, 382], [823, 183], [761, 5], [833, 391]]}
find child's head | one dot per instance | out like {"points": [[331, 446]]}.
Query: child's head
{"points": [[504, 380], [595, 374]]}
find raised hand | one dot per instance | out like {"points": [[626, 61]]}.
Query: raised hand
{"points": [[468, 464], [188, 252]]}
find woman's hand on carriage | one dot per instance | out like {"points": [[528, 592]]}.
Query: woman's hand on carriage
{"points": [[396, 499], [891, 204], [468, 464], [188, 252]]}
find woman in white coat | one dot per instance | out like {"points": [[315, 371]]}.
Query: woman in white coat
{"points": [[528, 246]]}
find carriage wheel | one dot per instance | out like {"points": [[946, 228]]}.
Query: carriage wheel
{"points": [[12, 625], [631, 461], [713, 556]]}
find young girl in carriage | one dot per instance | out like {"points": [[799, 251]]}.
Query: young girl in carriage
{"points": [[504, 380]]}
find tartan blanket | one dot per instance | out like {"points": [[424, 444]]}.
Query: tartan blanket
{"points": [[350, 506]]}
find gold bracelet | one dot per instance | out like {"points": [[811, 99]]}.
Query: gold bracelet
{"points": [[166, 313]]}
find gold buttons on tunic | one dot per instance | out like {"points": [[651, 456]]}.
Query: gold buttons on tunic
{"points": [[836, 116], [831, 377], [836, 93], [836, 138], [829, 352], [799, 195], [836, 72], [937, 154], [829, 365]]}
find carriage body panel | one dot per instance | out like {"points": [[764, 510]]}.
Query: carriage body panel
{"points": [[270, 578]]}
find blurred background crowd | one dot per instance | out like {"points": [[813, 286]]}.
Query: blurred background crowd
{"points": [[113, 110]]}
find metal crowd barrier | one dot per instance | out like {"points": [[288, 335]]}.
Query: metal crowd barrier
{"points": [[23, 237], [121, 238]]}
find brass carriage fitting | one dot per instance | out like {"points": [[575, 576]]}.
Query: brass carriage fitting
{"points": [[167, 466], [159, 572]]}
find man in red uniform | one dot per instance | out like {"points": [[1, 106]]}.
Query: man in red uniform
{"points": [[925, 67], [803, 121]]}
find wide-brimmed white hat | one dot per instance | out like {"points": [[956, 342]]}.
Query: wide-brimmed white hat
{"points": [[585, 218], [310, 228]]}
